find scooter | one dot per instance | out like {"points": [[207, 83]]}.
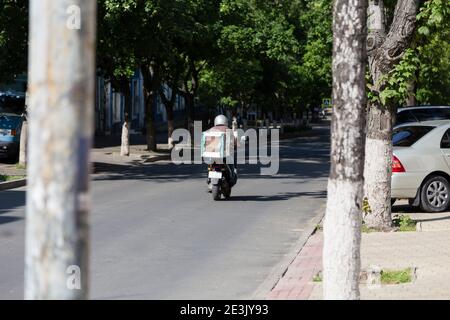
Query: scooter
{"points": [[221, 179]]}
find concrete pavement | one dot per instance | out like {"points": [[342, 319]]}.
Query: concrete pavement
{"points": [[426, 250], [157, 234]]}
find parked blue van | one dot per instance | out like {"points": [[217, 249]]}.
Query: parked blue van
{"points": [[12, 108]]}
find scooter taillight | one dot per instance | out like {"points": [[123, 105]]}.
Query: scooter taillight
{"points": [[217, 167]]}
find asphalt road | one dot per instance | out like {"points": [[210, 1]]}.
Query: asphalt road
{"points": [[157, 234]]}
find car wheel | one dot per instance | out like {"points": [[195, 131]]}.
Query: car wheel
{"points": [[434, 195]]}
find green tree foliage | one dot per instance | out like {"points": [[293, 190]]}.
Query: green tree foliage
{"points": [[433, 51], [13, 38], [273, 54], [276, 55], [424, 70]]}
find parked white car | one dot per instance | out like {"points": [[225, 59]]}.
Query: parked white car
{"points": [[421, 164]]}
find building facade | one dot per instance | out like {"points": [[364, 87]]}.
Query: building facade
{"points": [[110, 106]]}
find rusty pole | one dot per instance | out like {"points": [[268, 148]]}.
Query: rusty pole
{"points": [[61, 87]]}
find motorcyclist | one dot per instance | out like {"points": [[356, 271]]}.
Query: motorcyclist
{"points": [[221, 124]]}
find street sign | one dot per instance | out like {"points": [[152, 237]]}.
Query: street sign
{"points": [[326, 103]]}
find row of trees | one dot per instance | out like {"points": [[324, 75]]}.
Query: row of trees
{"points": [[272, 54], [239, 53], [229, 53]]}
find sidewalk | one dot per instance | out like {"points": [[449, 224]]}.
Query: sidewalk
{"points": [[138, 154], [105, 152], [11, 170], [426, 250]]}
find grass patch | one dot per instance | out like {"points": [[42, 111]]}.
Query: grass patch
{"points": [[366, 229], [5, 178], [396, 276], [20, 166], [317, 278], [399, 223], [404, 223]]}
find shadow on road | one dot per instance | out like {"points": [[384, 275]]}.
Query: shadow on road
{"points": [[10, 200], [279, 197], [300, 158], [7, 219], [447, 217], [407, 209]]}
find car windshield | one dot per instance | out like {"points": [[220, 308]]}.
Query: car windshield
{"points": [[12, 105], [408, 135]]}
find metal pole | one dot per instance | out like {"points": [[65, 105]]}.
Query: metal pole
{"points": [[61, 86]]}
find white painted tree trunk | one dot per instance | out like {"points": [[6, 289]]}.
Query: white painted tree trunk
{"points": [[377, 175], [170, 129], [342, 226], [125, 140], [23, 144], [384, 51], [342, 238], [61, 85]]}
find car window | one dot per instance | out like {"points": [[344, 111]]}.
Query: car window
{"points": [[408, 135], [445, 141], [11, 104], [405, 117], [426, 114]]}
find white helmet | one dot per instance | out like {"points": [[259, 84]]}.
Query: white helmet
{"points": [[221, 120]]}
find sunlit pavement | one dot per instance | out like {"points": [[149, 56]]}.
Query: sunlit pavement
{"points": [[425, 251]]}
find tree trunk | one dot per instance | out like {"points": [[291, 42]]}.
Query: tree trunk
{"points": [[170, 127], [378, 166], [125, 140], [125, 145], [384, 51], [149, 117], [151, 87], [411, 99], [168, 104], [190, 113], [23, 144], [189, 92], [342, 226], [61, 84]]}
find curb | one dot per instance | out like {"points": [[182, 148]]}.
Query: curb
{"points": [[279, 270], [419, 226], [13, 184]]}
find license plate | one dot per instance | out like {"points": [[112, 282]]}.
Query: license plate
{"points": [[215, 175]]}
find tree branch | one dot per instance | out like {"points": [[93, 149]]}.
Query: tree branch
{"points": [[397, 39]]}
